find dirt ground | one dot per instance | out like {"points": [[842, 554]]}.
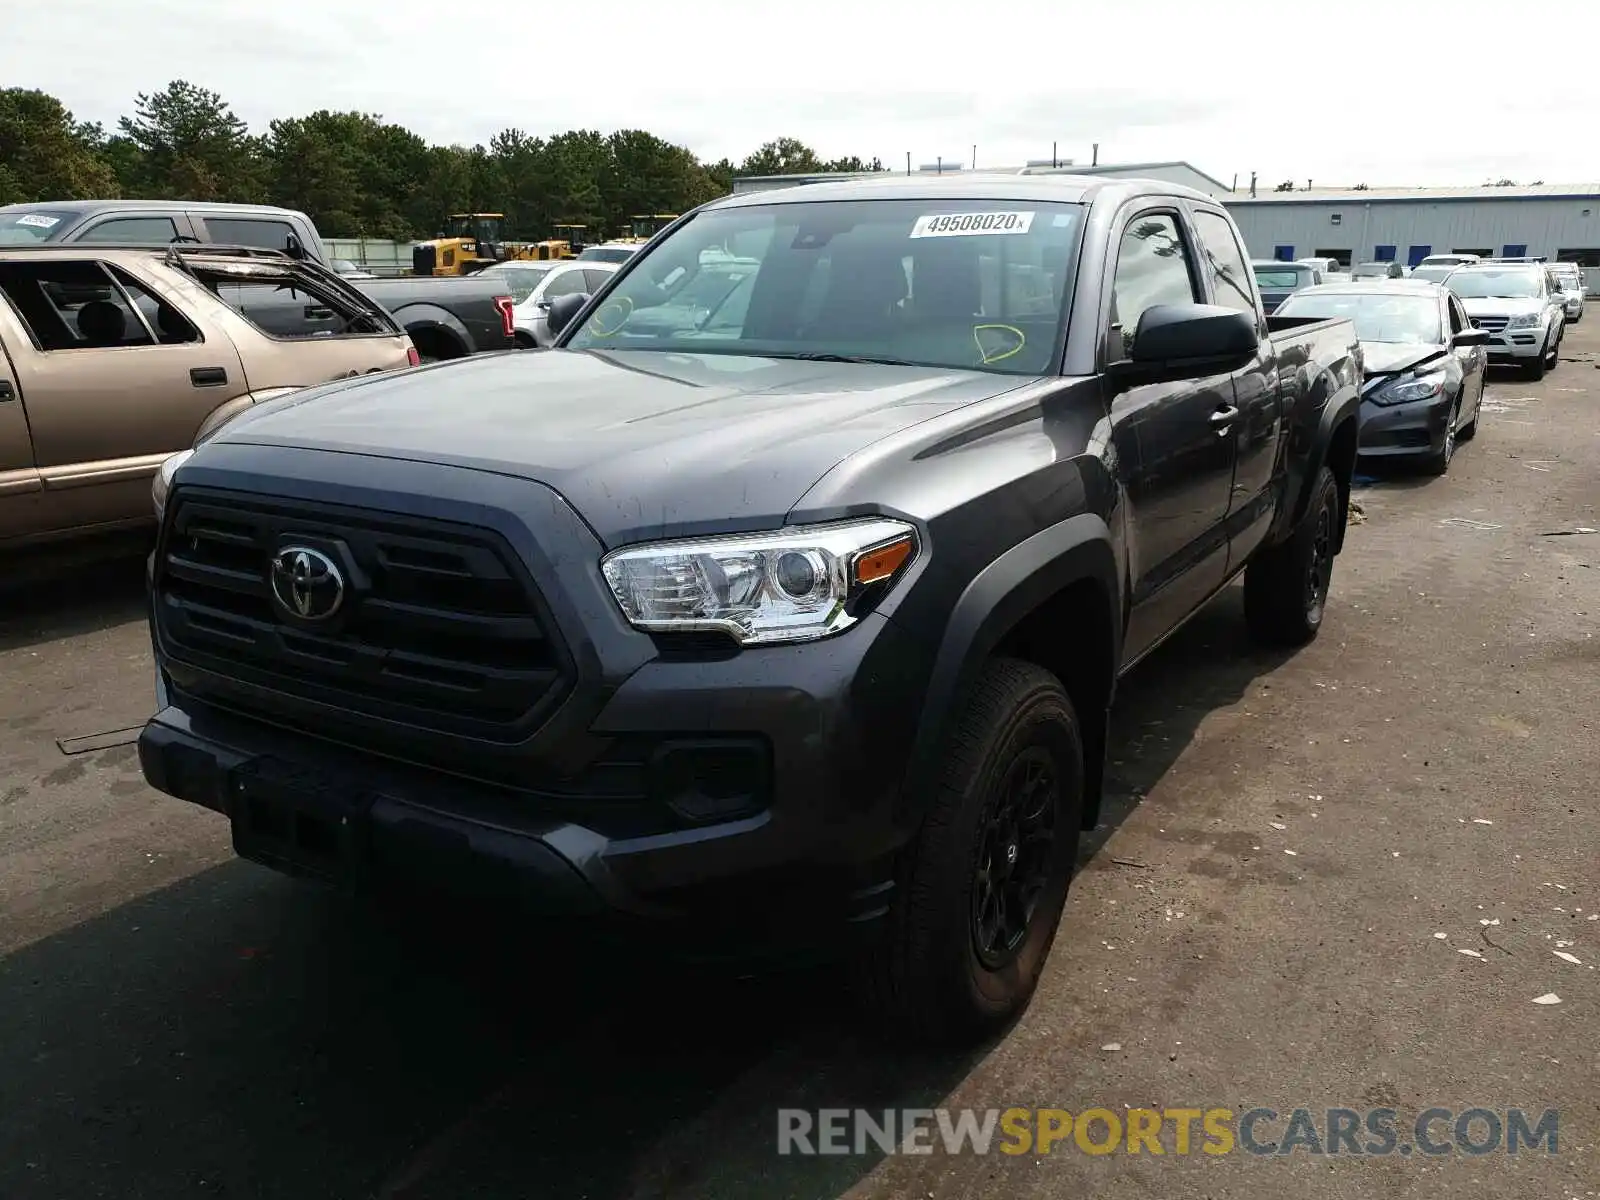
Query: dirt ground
{"points": [[1258, 925]]}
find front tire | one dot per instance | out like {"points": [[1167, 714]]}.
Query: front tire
{"points": [[1535, 370], [1439, 463], [980, 890], [1286, 586]]}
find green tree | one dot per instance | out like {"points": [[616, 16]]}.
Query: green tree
{"points": [[192, 146], [45, 154], [348, 170], [783, 156]]}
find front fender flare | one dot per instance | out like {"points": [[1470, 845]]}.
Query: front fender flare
{"points": [[991, 606]]}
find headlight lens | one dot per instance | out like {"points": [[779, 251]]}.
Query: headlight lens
{"points": [[162, 483], [1525, 321], [791, 585], [1403, 391]]}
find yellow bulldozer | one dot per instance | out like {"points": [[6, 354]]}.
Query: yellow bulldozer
{"points": [[642, 228], [473, 241]]}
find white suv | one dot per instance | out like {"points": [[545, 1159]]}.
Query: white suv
{"points": [[1520, 305], [1570, 277]]}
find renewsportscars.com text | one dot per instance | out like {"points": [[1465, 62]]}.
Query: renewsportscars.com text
{"points": [[1377, 1132]]}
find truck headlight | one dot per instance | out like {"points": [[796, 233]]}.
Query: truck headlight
{"points": [[1525, 321], [1403, 391], [790, 585], [162, 483]]}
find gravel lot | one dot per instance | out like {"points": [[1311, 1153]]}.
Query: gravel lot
{"points": [[1257, 925]]}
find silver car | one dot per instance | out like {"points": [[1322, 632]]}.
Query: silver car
{"points": [[1570, 277], [535, 284]]}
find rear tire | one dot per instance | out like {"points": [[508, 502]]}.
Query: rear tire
{"points": [[979, 891], [1286, 586]]}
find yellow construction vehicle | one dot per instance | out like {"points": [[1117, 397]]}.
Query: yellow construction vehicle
{"points": [[642, 228], [473, 241]]}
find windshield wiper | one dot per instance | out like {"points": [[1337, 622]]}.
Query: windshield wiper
{"points": [[819, 356]]}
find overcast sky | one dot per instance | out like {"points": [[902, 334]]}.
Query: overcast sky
{"points": [[1277, 88]]}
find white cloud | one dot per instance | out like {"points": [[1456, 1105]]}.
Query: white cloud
{"points": [[1364, 91]]}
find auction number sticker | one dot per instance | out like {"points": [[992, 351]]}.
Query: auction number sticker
{"points": [[968, 223], [38, 221]]}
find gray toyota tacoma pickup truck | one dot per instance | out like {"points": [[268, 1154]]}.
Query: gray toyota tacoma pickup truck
{"points": [[795, 622]]}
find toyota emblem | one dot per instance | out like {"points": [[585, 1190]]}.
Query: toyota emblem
{"points": [[307, 583]]}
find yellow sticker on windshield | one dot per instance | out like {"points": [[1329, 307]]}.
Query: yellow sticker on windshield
{"points": [[611, 317], [1011, 341], [968, 224]]}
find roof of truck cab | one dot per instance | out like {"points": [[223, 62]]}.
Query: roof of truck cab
{"points": [[1061, 189], [99, 206]]}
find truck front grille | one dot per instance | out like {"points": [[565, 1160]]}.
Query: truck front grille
{"points": [[440, 628]]}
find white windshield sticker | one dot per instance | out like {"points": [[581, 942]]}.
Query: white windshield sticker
{"points": [[39, 221], [968, 223]]}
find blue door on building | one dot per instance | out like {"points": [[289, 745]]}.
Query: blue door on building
{"points": [[1383, 253], [1516, 251], [1283, 253], [1416, 254]]}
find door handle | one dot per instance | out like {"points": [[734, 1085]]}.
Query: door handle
{"points": [[1225, 415], [208, 376], [315, 312], [7, 392]]}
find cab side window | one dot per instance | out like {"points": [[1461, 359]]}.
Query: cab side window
{"points": [[1230, 277], [133, 231], [250, 231], [1153, 267]]}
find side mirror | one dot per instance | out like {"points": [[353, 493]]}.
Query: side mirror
{"points": [[563, 309], [1185, 341], [1471, 337]]}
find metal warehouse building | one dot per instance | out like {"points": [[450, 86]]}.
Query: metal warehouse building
{"points": [[1561, 222]]}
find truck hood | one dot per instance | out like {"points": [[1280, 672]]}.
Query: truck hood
{"points": [[643, 444], [1390, 358], [1502, 306]]}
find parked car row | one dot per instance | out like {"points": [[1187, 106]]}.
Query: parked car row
{"points": [[1427, 344]]}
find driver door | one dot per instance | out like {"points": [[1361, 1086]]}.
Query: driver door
{"points": [[1174, 440]]}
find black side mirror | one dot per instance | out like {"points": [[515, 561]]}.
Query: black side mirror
{"points": [[564, 308], [1471, 337], [1185, 341]]}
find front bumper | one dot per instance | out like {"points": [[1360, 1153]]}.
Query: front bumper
{"points": [[1517, 345], [1404, 430], [1575, 309], [735, 799]]}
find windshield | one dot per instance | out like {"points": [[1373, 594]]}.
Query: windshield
{"points": [[1516, 283], [1378, 316], [1281, 277], [1568, 276], [522, 280], [611, 254], [1432, 274], [962, 284], [25, 228], [1372, 270]]}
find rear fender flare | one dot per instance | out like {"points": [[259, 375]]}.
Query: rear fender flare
{"points": [[991, 606], [430, 317]]}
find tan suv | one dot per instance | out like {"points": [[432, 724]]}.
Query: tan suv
{"points": [[113, 358]]}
